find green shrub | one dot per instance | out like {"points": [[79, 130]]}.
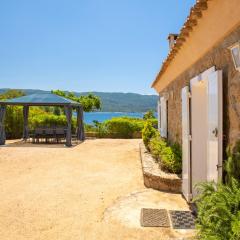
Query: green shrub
{"points": [[149, 115], [89, 128], [170, 162], [148, 132], [154, 122], [103, 132], [101, 129], [232, 165], [50, 120], [119, 127], [14, 122], [37, 117], [156, 146], [47, 120], [169, 156], [89, 102], [124, 127], [218, 211], [177, 149]]}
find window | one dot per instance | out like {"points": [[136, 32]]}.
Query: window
{"points": [[235, 51]]}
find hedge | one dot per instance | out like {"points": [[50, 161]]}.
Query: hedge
{"points": [[123, 127], [148, 132], [14, 122], [120, 127], [166, 154], [37, 117]]}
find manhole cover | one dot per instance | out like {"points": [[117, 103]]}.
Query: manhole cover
{"points": [[182, 219], [154, 217]]}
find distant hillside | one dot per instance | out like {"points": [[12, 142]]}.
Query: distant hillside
{"points": [[115, 102]]}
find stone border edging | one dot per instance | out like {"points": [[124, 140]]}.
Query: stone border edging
{"points": [[154, 177]]}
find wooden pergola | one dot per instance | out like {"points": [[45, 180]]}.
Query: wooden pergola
{"points": [[44, 99]]}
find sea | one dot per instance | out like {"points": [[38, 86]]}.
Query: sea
{"points": [[89, 117]]}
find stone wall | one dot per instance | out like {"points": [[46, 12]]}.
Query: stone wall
{"points": [[154, 177], [220, 57]]}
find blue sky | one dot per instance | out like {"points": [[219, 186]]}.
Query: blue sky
{"points": [[86, 45]]}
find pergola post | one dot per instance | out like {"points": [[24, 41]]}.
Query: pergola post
{"points": [[2, 127], [80, 125], [25, 122], [68, 112]]}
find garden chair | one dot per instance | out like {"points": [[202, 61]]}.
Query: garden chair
{"points": [[49, 134], [39, 133], [60, 133]]}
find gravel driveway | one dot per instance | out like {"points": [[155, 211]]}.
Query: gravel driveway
{"points": [[93, 191]]}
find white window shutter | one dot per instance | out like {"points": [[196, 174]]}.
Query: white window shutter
{"points": [[186, 171], [159, 115], [214, 160], [163, 123]]}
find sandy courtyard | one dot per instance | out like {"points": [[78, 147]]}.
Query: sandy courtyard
{"points": [[91, 191]]}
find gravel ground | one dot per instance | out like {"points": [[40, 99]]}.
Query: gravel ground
{"points": [[92, 191]]}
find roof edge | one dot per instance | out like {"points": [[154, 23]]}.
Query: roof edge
{"points": [[18, 101], [188, 26]]}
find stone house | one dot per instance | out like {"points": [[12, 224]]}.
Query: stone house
{"points": [[199, 89]]}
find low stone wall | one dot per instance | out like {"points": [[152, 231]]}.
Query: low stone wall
{"points": [[154, 177]]}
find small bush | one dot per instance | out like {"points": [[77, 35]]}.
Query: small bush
{"points": [[169, 156], [177, 151], [218, 211], [123, 127], [102, 131], [148, 132], [154, 122], [232, 165], [89, 128], [149, 115], [14, 122], [156, 146], [170, 162], [119, 127]]}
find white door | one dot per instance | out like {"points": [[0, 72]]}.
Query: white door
{"points": [[163, 122], [186, 174], [214, 146], [202, 155], [199, 132]]}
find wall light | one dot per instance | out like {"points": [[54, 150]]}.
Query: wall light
{"points": [[235, 52]]}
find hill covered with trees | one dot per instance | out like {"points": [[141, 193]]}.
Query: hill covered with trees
{"points": [[114, 102]]}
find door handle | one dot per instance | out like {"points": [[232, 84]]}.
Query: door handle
{"points": [[215, 132], [218, 166]]}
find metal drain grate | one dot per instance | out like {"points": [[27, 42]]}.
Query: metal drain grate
{"points": [[182, 219], [154, 217]]}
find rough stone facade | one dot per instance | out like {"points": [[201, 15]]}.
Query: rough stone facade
{"points": [[220, 57]]}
